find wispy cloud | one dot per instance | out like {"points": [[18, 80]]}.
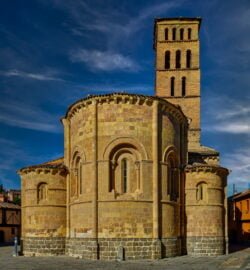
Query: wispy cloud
{"points": [[239, 163], [116, 22], [117, 29], [13, 157], [227, 115], [29, 75], [29, 117], [104, 61], [233, 128]]}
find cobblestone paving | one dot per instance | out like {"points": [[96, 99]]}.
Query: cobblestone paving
{"points": [[237, 260]]}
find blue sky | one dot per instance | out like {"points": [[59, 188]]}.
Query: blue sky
{"points": [[54, 52]]}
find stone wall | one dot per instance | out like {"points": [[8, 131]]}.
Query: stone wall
{"points": [[205, 246], [43, 212], [128, 248], [43, 246], [102, 131], [205, 210]]}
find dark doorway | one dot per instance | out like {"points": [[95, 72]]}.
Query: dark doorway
{"points": [[1, 236]]}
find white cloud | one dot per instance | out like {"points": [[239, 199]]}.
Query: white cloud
{"points": [[29, 75], [115, 22], [105, 61], [233, 128], [13, 157], [239, 164], [29, 117], [227, 115], [116, 27]]}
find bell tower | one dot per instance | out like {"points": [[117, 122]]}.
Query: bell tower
{"points": [[177, 47]]}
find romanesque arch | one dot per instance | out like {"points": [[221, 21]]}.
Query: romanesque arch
{"points": [[125, 141], [170, 158], [125, 156], [42, 192], [77, 175]]}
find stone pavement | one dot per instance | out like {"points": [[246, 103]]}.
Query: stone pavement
{"points": [[236, 260]]}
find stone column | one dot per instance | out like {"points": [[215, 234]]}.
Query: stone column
{"points": [[66, 125], [95, 172], [156, 251]]}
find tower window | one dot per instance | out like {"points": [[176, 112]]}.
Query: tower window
{"points": [[174, 34], [167, 60], [181, 34], [189, 33], [188, 59], [124, 169], [183, 86], [166, 33], [178, 59], [172, 81]]}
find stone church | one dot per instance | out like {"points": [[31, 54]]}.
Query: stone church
{"points": [[135, 181]]}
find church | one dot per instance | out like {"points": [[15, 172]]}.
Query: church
{"points": [[135, 182]]}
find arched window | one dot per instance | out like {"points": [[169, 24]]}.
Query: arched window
{"points": [[172, 84], [178, 59], [201, 192], [174, 34], [166, 33], [167, 60], [76, 184], [183, 86], [172, 179], [189, 33], [42, 192], [78, 169], [124, 174], [181, 34], [188, 59]]}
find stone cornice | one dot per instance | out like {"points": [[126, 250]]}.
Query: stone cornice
{"points": [[122, 98], [62, 170], [207, 168]]}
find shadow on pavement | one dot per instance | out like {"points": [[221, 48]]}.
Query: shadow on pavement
{"points": [[237, 247]]}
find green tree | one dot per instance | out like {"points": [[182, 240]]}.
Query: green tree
{"points": [[17, 201]]}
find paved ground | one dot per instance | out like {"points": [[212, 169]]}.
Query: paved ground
{"points": [[236, 260]]}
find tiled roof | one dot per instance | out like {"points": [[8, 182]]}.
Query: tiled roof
{"points": [[242, 194], [9, 205], [204, 150], [55, 163]]}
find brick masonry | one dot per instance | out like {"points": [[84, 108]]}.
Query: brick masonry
{"points": [[205, 246], [103, 249], [133, 248], [43, 246]]}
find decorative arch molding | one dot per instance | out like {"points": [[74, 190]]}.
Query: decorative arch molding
{"points": [[119, 151], [42, 192], [77, 152], [170, 150], [171, 161], [124, 142], [76, 176], [201, 192]]}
